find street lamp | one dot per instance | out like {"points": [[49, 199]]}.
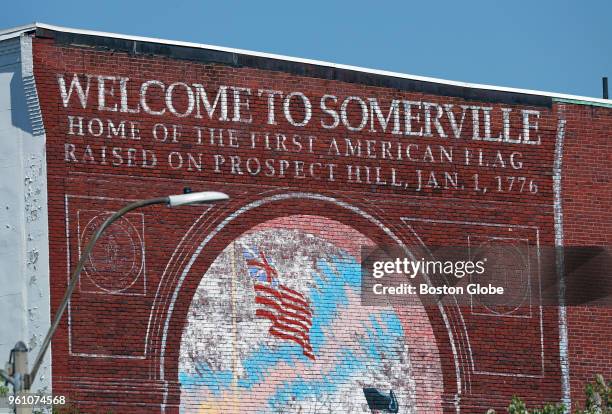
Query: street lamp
{"points": [[19, 377]]}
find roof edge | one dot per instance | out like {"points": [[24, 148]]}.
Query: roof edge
{"points": [[577, 99], [16, 31]]}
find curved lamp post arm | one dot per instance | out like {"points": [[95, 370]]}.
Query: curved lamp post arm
{"points": [[75, 275], [172, 201]]}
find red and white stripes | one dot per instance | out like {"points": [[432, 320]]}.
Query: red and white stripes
{"points": [[289, 312]]}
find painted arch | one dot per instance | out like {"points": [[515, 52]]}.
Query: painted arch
{"points": [[428, 340]]}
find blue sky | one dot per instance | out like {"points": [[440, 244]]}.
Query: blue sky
{"points": [[552, 45]]}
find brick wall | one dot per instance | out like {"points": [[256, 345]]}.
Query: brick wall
{"points": [[587, 222], [138, 307]]}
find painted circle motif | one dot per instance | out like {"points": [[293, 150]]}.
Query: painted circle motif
{"points": [[235, 357], [116, 260], [508, 267]]}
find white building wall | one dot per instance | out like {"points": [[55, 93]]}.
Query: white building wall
{"points": [[24, 234]]}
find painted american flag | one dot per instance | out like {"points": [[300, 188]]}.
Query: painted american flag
{"points": [[287, 309]]}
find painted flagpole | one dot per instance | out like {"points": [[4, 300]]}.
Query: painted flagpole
{"points": [[234, 332]]}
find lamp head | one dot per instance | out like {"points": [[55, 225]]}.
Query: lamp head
{"points": [[202, 197]]}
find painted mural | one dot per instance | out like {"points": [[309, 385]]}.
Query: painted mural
{"points": [[277, 326]]}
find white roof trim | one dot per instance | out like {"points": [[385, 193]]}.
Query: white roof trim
{"points": [[17, 31]]}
